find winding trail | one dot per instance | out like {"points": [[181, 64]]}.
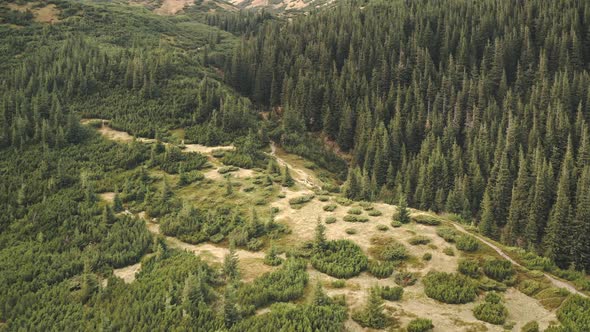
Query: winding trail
{"points": [[556, 282], [302, 177]]}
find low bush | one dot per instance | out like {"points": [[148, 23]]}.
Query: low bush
{"points": [[330, 207], [375, 213], [487, 284], [469, 267], [449, 251], [427, 220], [323, 198], [498, 269], [343, 201], [405, 279], [396, 224], [531, 326], [392, 251], [382, 228], [299, 201], [355, 211], [449, 287], [574, 314], [338, 283], [380, 270], [392, 293], [353, 218], [492, 310], [330, 220], [427, 256], [351, 231], [418, 240], [340, 259], [227, 169], [447, 233], [467, 243], [529, 287], [420, 325]]}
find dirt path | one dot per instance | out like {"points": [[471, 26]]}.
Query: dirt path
{"points": [[301, 176], [556, 282]]}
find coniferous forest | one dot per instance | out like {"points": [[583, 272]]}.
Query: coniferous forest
{"points": [[351, 165]]}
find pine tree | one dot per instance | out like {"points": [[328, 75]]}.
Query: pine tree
{"points": [[230, 265], [319, 296], [117, 203], [557, 241], [287, 180], [518, 213], [581, 223], [231, 314], [487, 225], [403, 213], [372, 315], [229, 187], [320, 237]]}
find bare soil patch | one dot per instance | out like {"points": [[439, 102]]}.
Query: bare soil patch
{"points": [[127, 273], [171, 7], [108, 197]]}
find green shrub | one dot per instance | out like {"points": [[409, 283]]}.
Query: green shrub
{"points": [[487, 284], [380, 270], [574, 314], [467, 243], [469, 268], [447, 233], [330, 220], [366, 205], [351, 231], [227, 169], [323, 198], [420, 325], [299, 201], [492, 310], [353, 218], [340, 259], [217, 238], [405, 278], [449, 287], [427, 256], [531, 326], [254, 245], [498, 269], [427, 220], [218, 153], [281, 195], [392, 293], [396, 224], [529, 287], [355, 211], [343, 201], [418, 240], [535, 262], [449, 251], [338, 283], [382, 228], [393, 251], [375, 213], [330, 207]]}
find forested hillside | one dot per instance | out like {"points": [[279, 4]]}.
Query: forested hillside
{"points": [[475, 108]]}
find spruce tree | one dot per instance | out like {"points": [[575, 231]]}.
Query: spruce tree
{"points": [[487, 225], [403, 213], [517, 216], [287, 180], [581, 223]]}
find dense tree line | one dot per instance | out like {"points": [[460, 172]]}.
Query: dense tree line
{"points": [[480, 109]]}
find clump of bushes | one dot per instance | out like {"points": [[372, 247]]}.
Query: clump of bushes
{"points": [[531, 326], [469, 268], [449, 287], [227, 169], [340, 259], [467, 243], [351, 231], [382, 228], [343, 201], [355, 211], [529, 287], [498, 269], [487, 284], [330, 207], [418, 240], [426, 257], [396, 224], [574, 314], [323, 198], [427, 220], [405, 278], [338, 283], [492, 310], [392, 251], [449, 251], [330, 220], [380, 270], [420, 325], [447, 233], [353, 218], [299, 201], [392, 293], [375, 213]]}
